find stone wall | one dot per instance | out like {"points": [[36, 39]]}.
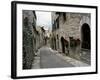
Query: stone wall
{"points": [[28, 53]]}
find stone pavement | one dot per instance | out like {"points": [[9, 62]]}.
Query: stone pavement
{"points": [[73, 61], [48, 59], [41, 61], [36, 62]]}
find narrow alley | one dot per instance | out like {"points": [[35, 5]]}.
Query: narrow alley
{"points": [[56, 39]]}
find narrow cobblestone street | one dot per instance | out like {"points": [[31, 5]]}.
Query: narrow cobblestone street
{"points": [[48, 58]]}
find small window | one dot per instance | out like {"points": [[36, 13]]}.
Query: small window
{"points": [[58, 22], [64, 16]]}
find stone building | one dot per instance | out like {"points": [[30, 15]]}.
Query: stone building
{"points": [[29, 23], [36, 39], [41, 37], [74, 25]]}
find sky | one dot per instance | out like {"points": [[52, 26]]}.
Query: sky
{"points": [[44, 19]]}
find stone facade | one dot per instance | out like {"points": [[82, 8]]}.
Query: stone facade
{"points": [[67, 25]]}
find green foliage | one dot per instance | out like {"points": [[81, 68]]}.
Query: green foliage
{"points": [[28, 53]]}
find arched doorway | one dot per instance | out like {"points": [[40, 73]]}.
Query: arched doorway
{"points": [[62, 44], [57, 41], [54, 43], [86, 36]]}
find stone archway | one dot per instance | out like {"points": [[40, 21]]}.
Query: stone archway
{"points": [[62, 44], [86, 36], [54, 43], [57, 41]]}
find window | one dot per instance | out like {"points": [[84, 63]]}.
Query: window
{"points": [[64, 16]]}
